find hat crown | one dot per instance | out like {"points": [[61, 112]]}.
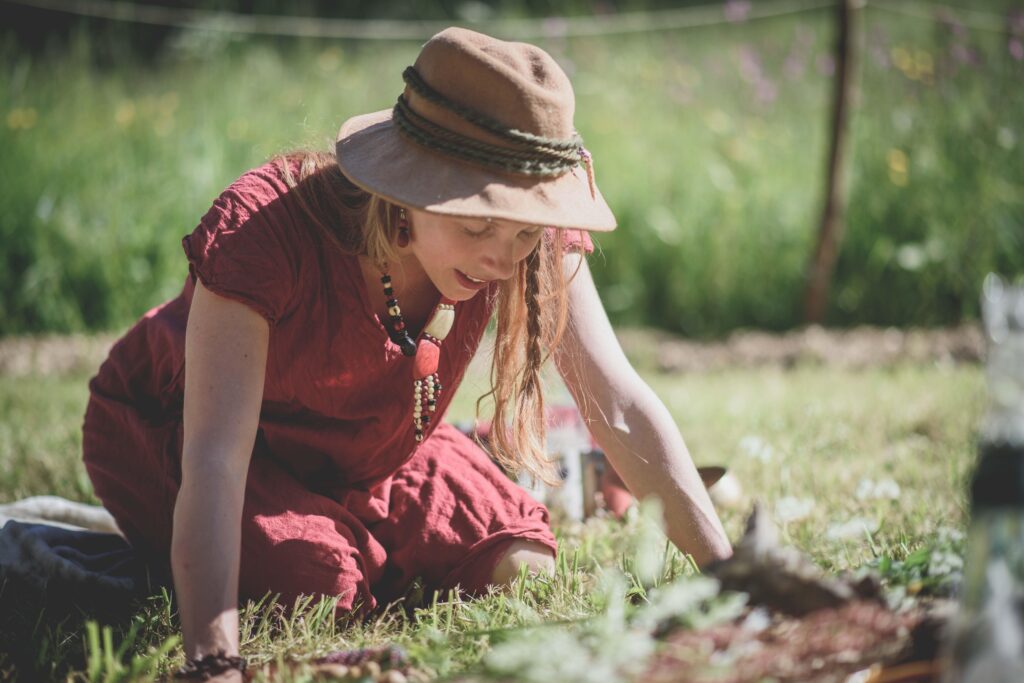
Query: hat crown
{"points": [[516, 84]]}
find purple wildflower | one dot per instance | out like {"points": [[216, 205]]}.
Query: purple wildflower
{"points": [[826, 65], [1016, 47], [880, 56], [963, 54], [737, 10], [554, 27], [750, 64], [765, 91], [793, 67]]}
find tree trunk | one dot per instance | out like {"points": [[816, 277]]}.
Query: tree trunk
{"points": [[830, 232]]}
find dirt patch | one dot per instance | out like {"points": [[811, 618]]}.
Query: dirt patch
{"points": [[74, 354], [861, 347], [856, 348]]}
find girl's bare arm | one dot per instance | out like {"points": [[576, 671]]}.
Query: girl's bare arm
{"points": [[225, 365], [631, 423]]}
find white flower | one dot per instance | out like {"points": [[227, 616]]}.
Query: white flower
{"points": [[605, 649], [676, 599], [949, 536], [757, 448], [945, 563], [790, 509], [853, 528], [546, 654], [868, 489]]}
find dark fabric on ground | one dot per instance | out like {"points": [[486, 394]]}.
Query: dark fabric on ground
{"points": [[95, 573], [53, 579]]}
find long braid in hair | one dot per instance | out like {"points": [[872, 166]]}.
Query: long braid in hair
{"points": [[517, 438], [531, 393]]}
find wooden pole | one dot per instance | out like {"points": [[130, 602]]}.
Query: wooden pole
{"points": [[830, 231]]}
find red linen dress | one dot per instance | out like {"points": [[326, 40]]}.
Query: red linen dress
{"points": [[339, 498]]}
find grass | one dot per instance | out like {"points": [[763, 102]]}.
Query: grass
{"points": [[808, 433]]}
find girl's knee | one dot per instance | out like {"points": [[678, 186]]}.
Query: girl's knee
{"points": [[538, 558]]}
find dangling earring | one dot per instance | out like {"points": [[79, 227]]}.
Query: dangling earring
{"points": [[403, 229]]}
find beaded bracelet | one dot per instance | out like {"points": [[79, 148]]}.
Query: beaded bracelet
{"points": [[206, 667]]}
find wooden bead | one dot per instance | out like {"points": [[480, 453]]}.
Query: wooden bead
{"points": [[441, 323], [408, 346]]}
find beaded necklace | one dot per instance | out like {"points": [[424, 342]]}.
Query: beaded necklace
{"points": [[427, 352]]}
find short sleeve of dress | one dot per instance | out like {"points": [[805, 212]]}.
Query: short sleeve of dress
{"points": [[244, 248], [572, 239]]}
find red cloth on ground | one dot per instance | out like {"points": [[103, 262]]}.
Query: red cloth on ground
{"points": [[339, 498]]}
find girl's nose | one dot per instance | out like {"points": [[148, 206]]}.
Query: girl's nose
{"points": [[501, 265]]}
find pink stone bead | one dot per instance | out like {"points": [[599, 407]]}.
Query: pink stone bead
{"points": [[428, 355]]}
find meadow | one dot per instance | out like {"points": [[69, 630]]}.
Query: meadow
{"points": [[861, 470], [708, 143]]}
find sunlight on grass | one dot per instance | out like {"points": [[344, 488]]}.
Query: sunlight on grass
{"points": [[832, 445]]}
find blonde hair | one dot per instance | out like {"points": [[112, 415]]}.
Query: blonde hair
{"points": [[531, 305]]}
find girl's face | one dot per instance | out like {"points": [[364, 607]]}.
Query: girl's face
{"points": [[461, 256]]}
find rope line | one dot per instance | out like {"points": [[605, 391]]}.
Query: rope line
{"points": [[968, 17], [395, 30], [519, 29]]}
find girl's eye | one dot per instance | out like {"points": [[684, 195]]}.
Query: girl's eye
{"points": [[475, 233], [530, 234]]}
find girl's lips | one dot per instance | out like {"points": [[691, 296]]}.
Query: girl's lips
{"points": [[467, 283]]}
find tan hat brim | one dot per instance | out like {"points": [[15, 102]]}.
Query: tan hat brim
{"points": [[376, 157]]}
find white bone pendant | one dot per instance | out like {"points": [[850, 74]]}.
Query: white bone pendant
{"points": [[441, 322]]}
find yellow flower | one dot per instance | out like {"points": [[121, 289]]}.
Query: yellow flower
{"points": [[329, 59], [718, 121], [898, 167], [897, 161], [901, 59], [924, 63], [124, 115], [22, 118]]}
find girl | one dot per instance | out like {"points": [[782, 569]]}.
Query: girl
{"points": [[276, 427]]}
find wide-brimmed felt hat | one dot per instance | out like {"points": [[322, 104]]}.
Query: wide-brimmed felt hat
{"points": [[483, 129]]}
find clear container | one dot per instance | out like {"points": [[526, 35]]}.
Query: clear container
{"points": [[986, 639]]}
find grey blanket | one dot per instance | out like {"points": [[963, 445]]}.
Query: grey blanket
{"points": [[66, 558]]}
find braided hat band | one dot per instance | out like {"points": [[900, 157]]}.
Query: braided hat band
{"points": [[528, 154], [483, 129]]}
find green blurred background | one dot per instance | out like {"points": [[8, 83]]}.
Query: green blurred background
{"points": [[709, 143]]}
